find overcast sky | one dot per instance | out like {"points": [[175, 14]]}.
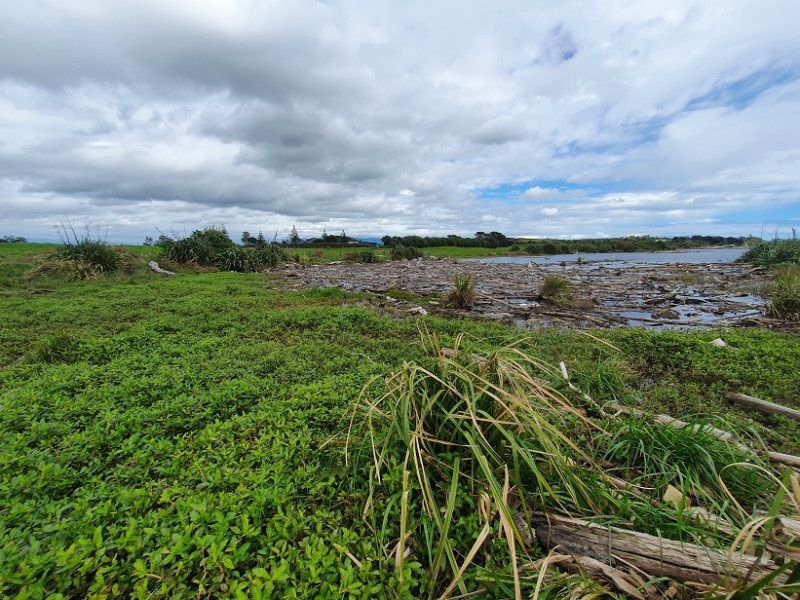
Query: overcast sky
{"points": [[534, 118]]}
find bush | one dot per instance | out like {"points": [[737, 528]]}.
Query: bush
{"points": [[783, 293], [267, 255], [364, 256], [405, 253], [235, 259], [212, 247], [201, 247]]}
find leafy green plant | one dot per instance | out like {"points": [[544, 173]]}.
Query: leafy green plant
{"points": [[463, 293], [783, 293]]}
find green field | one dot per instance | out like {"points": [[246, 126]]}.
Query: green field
{"points": [[186, 437]]}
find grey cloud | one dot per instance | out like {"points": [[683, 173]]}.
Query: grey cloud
{"points": [[325, 112]]}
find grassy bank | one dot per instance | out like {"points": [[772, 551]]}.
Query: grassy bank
{"points": [[186, 437]]}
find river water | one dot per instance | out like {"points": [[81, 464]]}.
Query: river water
{"points": [[621, 259]]}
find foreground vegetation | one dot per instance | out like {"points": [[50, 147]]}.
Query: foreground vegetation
{"points": [[209, 435], [783, 290]]}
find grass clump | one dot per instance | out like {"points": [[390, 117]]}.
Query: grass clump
{"points": [[783, 293], [84, 259], [689, 457], [556, 289], [463, 293], [774, 252], [474, 426]]}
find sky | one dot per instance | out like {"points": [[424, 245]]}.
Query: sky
{"points": [[564, 119]]}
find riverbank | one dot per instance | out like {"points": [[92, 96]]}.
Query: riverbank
{"points": [[665, 296]]}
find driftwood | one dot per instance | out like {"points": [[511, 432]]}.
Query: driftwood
{"points": [[156, 269], [785, 459], [654, 556], [764, 406], [605, 295]]}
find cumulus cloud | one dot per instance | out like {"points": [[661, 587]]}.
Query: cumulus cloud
{"points": [[604, 117]]}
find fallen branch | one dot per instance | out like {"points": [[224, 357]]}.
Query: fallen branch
{"points": [[764, 406], [156, 269], [785, 459], [657, 557]]}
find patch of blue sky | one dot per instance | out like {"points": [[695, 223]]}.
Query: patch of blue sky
{"points": [[783, 214], [513, 193], [741, 93]]}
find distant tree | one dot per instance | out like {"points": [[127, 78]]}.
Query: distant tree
{"points": [[148, 241], [245, 238], [261, 240], [164, 240], [294, 237], [13, 239]]}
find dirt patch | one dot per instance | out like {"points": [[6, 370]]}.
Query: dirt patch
{"points": [[672, 296]]}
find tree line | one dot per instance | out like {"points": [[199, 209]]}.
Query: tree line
{"points": [[494, 239]]}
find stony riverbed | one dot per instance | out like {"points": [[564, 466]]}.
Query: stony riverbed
{"points": [[669, 296]]}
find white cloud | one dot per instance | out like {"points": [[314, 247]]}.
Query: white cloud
{"points": [[375, 118]]}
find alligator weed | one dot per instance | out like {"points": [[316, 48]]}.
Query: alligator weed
{"points": [[187, 436]]}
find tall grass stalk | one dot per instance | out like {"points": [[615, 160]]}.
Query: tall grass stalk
{"points": [[493, 417]]}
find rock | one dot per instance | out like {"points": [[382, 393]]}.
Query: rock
{"points": [[665, 313], [417, 310], [718, 342]]}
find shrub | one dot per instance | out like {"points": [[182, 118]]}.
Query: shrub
{"points": [[405, 253], [267, 255], [783, 294], [201, 247], [364, 256], [368, 256], [463, 293], [212, 247]]}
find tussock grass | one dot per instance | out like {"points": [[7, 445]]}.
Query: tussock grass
{"points": [[783, 292], [463, 293], [556, 289], [490, 426]]}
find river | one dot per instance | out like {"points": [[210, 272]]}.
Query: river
{"points": [[620, 259]]}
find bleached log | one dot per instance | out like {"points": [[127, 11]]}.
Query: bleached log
{"points": [[652, 555], [156, 269], [764, 406]]}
